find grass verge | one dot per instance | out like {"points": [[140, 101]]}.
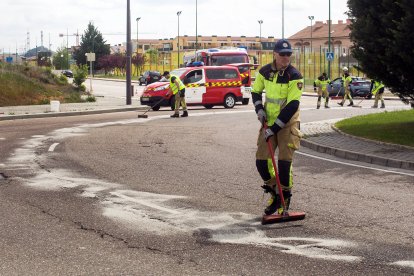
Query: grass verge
{"points": [[30, 85], [395, 127]]}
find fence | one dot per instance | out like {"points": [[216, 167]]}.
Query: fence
{"points": [[310, 62]]}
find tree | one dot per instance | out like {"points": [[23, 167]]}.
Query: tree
{"points": [[153, 55], [91, 42], [60, 58], [381, 31], [138, 60]]}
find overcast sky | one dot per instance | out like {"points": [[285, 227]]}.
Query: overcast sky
{"points": [[158, 19]]}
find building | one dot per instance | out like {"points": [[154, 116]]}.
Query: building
{"points": [[309, 61], [317, 36]]}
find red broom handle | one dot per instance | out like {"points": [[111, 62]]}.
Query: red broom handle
{"points": [[279, 186]]}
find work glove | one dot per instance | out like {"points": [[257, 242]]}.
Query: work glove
{"points": [[268, 133], [261, 116]]}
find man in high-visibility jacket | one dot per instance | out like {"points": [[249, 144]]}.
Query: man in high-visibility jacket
{"points": [[283, 85], [377, 89], [321, 84], [346, 80], [177, 87]]}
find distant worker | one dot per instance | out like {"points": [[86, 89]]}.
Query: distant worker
{"points": [[321, 83], [346, 80], [377, 89], [177, 88], [283, 84]]}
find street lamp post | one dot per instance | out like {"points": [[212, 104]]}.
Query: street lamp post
{"points": [[283, 18], [67, 44], [311, 17], [67, 47], [329, 39], [178, 16], [138, 18], [196, 48], [260, 39]]}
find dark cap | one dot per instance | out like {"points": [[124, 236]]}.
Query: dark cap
{"points": [[166, 73], [283, 46]]}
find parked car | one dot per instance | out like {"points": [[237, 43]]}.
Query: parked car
{"points": [[149, 77], [359, 87], [67, 73], [206, 85]]}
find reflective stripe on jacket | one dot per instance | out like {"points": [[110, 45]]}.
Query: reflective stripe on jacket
{"points": [[281, 88], [346, 81], [173, 86], [377, 86], [322, 83]]}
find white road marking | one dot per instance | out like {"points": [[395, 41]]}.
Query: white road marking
{"points": [[353, 165], [409, 264], [326, 249], [147, 199], [53, 146], [2, 138]]}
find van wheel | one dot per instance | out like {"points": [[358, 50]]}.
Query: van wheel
{"points": [[172, 102], [156, 108], [245, 101], [229, 101], [208, 106]]}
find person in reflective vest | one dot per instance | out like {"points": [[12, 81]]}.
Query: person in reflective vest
{"points": [[377, 89], [346, 80], [283, 84], [177, 88], [321, 84]]}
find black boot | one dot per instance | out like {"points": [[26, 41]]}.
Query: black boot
{"points": [[175, 115], [185, 114], [286, 196], [351, 104], [341, 104], [274, 202]]}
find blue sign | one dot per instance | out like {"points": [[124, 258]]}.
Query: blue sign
{"points": [[9, 59], [329, 56]]}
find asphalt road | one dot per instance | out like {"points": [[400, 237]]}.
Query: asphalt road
{"points": [[112, 194]]}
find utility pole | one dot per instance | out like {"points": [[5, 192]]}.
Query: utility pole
{"points": [[178, 60], [196, 48], [128, 56], [329, 39], [67, 48], [138, 18]]}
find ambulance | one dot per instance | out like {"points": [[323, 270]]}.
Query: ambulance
{"points": [[208, 86]]}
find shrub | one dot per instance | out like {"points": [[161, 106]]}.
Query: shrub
{"points": [[79, 76]]}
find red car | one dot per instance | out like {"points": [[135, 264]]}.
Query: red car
{"points": [[205, 85]]}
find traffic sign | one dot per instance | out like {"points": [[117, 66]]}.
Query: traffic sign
{"points": [[90, 56], [329, 56]]}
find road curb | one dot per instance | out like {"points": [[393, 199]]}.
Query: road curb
{"points": [[70, 113], [355, 156], [369, 140]]}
